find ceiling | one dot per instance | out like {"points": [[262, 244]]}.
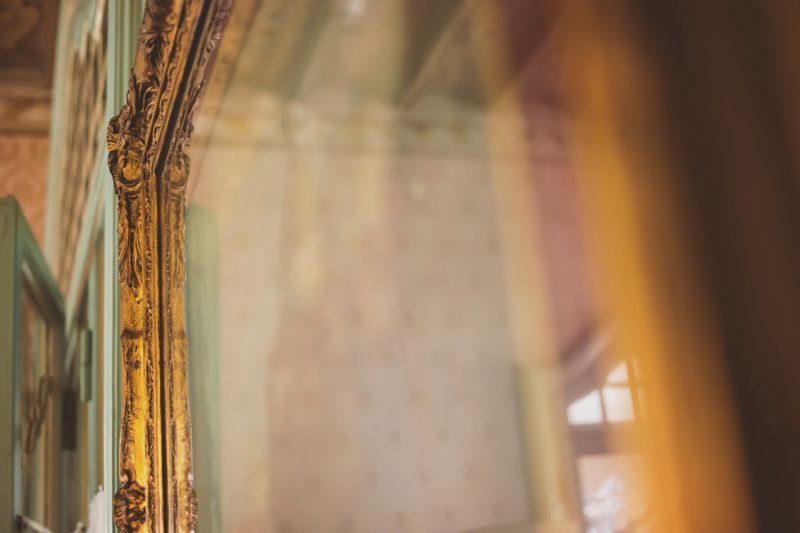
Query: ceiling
{"points": [[27, 41], [400, 51]]}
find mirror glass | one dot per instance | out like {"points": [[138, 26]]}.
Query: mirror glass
{"points": [[389, 315]]}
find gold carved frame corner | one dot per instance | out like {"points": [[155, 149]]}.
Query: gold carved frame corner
{"points": [[148, 156]]}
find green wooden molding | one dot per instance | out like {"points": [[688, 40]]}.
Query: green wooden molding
{"points": [[202, 311], [123, 20], [57, 129], [9, 341]]}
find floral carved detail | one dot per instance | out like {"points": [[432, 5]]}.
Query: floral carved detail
{"points": [[127, 131], [148, 145], [129, 506], [126, 160], [159, 22]]}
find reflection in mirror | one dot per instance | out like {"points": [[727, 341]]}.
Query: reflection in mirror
{"points": [[386, 272]]}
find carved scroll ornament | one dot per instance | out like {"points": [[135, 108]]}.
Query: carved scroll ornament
{"points": [[148, 156]]}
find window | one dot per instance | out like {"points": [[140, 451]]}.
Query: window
{"points": [[618, 400]]}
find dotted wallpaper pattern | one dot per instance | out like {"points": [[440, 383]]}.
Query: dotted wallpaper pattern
{"points": [[367, 370]]}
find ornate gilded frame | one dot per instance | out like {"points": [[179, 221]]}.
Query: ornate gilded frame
{"points": [[148, 156]]}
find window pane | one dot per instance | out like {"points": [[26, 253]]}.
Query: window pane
{"points": [[619, 405], [619, 374], [587, 410]]}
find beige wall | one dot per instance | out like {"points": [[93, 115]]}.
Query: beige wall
{"points": [[367, 373]]}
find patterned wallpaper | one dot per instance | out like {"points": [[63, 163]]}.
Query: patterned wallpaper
{"points": [[23, 169], [367, 372], [384, 272]]}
